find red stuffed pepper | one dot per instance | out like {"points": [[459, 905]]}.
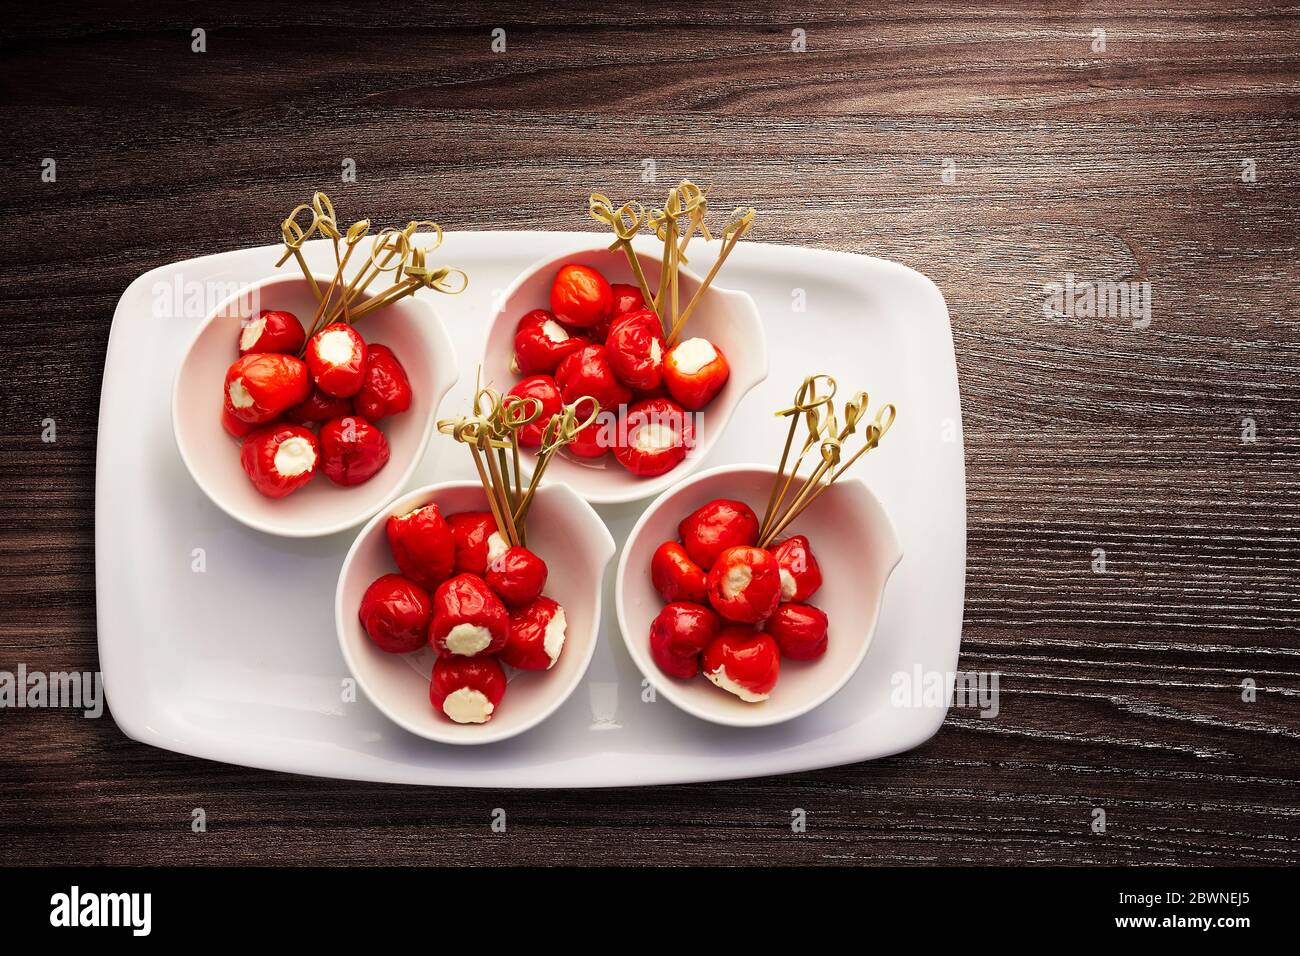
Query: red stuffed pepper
{"points": [[318, 408], [395, 611], [477, 541], [336, 356], [745, 584], [536, 635], [635, 349], [743, 662], [422, 545], [801, 575], [468, 618], [385, 390], [657, 434], [279, 459], [675, 576], [517, 576], [580, 296], [679, 633], [352, 450], [800, 630], [541, 343], [547, 392], [627, 298], [587, 372], [467, 690], [261, 386], [272, 331], [695, 371], [715, 527]]}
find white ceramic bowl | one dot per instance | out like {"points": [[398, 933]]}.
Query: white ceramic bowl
{"points": [[726, 317], [853, 541], [410, 327], [577, 547]]}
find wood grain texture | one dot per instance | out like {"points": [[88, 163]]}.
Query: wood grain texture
{"points": [[1120, 691]]}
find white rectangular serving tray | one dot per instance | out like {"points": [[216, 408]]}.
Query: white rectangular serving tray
{"points": [[218, 641]]}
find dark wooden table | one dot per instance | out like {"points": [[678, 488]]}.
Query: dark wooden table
{"points": [[1120, 691]]}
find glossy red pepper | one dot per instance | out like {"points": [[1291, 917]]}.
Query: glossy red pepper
{"points": [[677, 636], [467, 690], [743, 662], [517, 576], [635, 349], [580, 296], [475, 533], [318, 408], [272, 331], [695, 371], [541, 343], [468, 618], [422, 545], [675, 576], [597, 439], [386, 390], [547, 392], [237, 429], [627, 298], [336, 356], [536, 635], [352, 450], [280, 458], [745, 584], [587, 372], [713, 528], [800, 630], [395, 612], [260, 386], [801, 575], [656, 435]]}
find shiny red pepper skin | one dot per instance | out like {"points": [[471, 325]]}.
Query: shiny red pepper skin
{"points": [[386, 390], [694, 390], [635, 349], [749, 658], [281, 332], [627, 298], [471, 530], [752, 601], [545, 390], [451, 674], [395, 612], [422, 545], [675, 576], [274, 382], [801, 575], [711, 529], [587, 372], [580, 296], [241, 430], [466, 599], [535, 351], [257, 455], [677, 636], [342, 379], [517, 576], [800, 630], [318, 408], [352, 450], [596, 440], [526, 646], [655, 413]]}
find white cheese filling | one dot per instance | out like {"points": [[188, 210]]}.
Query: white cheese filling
{"points": [[467, 706], [553, 641], [468, 639], [736, 580], [295, 456], [335, 348], [656, 352], [497, 546], [554, 331], [239, 396], [252, 332], [720, 678], [788, 585], [654, 437], [693, 354]]}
